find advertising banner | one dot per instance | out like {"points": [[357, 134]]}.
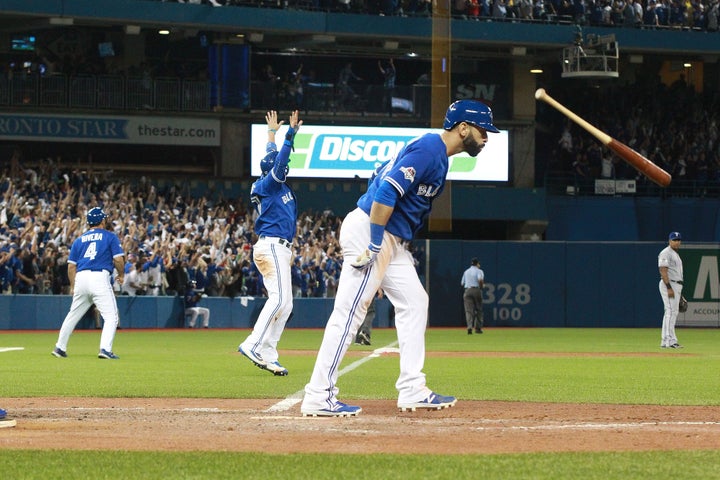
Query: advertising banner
{"points": [[701, 285], [348, 152], [111, 129]]}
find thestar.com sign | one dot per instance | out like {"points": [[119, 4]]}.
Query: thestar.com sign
{"points": [[349, 152]]}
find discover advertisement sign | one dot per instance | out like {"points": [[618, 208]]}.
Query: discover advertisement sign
{"points": [[349, 152]]}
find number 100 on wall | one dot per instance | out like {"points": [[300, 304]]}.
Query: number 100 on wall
{"points": [[507, 300]]}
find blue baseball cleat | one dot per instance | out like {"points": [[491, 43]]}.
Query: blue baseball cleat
{"points": [[432, 402], [108, 355], [340, 410], [59, 353]]}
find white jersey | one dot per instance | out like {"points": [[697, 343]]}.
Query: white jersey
{"points": [[671, 259]]}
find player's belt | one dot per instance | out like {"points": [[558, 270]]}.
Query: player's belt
{"points": [[679, 282], [279, 240]]}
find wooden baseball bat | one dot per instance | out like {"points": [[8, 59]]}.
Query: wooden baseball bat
{"points": [[642, 164]]}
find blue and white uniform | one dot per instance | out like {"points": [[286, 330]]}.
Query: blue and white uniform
{"points": [[275, 226], [399, 198], [93, 255], [418, 175]]}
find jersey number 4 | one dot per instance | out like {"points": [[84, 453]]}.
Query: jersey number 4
{"points": [[91, 251]]}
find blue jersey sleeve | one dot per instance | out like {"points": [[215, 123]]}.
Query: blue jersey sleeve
{"points": [[418, 175]]}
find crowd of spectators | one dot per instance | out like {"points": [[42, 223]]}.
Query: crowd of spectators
{"points": [[170, 239], [674, 126], [696, 14]]}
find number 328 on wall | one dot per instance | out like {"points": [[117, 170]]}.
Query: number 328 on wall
{"points": [[508, 300]]}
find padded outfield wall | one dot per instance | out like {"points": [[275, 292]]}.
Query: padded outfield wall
{"points": [[528, 284]]}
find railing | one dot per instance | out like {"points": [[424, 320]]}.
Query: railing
{"points": [[563, 183], [104, 92], [113, 92]]}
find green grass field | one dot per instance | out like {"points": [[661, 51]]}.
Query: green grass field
{"points": [[616, 366]]}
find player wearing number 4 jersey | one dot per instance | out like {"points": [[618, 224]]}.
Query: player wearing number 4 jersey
{"points": [[374, 238], [90, 265]]}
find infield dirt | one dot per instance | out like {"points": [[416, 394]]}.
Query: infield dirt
{"points": [[471, 427]]}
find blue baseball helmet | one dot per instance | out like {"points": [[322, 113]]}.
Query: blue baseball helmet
{"points": [[95, 216], [472, 112], [268, 161]]}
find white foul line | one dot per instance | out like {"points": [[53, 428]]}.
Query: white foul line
{"points": [[295, 398], [597, 426], [10, 349]]}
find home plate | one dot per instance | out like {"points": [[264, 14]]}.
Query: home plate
{"points": [[381, 351]]}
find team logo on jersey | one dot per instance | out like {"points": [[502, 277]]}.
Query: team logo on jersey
{"points": [[288, 197], [409, 173], [427, 190]]}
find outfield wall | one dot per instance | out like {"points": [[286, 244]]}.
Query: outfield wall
{"points": [[528, 284]]}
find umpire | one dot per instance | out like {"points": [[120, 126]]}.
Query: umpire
{"points": [[473, 280]]}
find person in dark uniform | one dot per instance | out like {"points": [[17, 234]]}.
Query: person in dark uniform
{"points": [[473, 281]]}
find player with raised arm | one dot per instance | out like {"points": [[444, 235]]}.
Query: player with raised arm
{"points": [[90, 266], [374, 239], [275, 226]]}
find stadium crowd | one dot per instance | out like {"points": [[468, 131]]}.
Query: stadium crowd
{"points": [[169, 239], [685, 14], [674, 126]]}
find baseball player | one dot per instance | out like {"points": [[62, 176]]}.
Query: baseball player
{"points": [[473, 281], [192, 298], [90, 265], [671, 285], [275, 226], [374, 239]]}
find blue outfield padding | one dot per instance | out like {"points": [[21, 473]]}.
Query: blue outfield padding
{"points": [[47, 312], [527, 284]]}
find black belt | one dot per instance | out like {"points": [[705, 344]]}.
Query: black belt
{"points": [[281, 241], [679, 282]]}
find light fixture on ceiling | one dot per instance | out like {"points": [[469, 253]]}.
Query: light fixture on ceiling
{"points": [[164, 31], [255, 37], [536, 70], [319, 38], [687, 64], [61, 21]]}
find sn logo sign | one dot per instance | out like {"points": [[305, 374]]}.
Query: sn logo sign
{"points": [[476, 90]]}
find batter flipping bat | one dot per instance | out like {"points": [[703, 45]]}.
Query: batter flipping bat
{"points": [[642, 164]]}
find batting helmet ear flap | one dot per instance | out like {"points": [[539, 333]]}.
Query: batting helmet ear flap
{"points": [[472, 112]]}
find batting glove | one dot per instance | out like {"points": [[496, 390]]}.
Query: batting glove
{"points": [[367, 258]]}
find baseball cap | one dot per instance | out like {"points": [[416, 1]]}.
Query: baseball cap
{"points": [[675, 236]]}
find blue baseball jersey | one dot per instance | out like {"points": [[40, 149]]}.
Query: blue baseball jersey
{"points": [[418, 174], [274, 200], [94, 250]]}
